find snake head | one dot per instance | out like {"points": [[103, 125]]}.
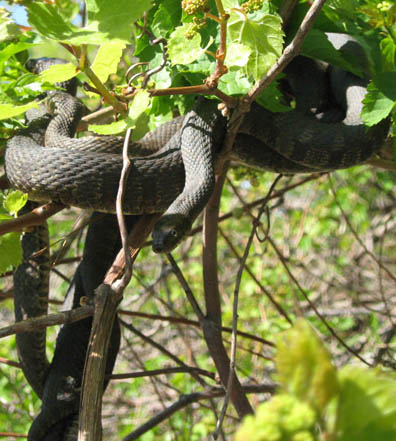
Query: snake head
{"points": [[169, 231]]}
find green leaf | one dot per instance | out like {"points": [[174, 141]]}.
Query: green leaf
{"points": [[166, 17], [182, 50], [115, 20], [14, 201], [9, 110], [237, 55], [113, 128], [107, 59], [49, 23], [304, 366], [234, 83], [107, 21], [58, 72], [228, 4], [263, 38], [140, 103], [8, 29], [375, 416], [380, 98], [12, 49], [388, 49], [10, 251]]}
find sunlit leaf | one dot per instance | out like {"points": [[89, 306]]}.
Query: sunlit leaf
{"points": [[263, 38], [14, 201], [9, 110], [304, 366], [107, 59], [58, 73]]}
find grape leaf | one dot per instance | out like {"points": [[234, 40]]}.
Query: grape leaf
{"points": [[264, 39], [182, 50], [139, 105], [237, 55], [380, 98], [59, 72], [107, 59], [8, 29], [109, 129], [107, 21]]}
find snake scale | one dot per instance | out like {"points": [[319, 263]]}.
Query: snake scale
{"points": [[179, 177]]}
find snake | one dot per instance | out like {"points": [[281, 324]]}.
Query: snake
{"points": [[178, 177], [167, 181]]}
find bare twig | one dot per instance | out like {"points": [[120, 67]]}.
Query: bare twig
{"points": [[60, 318], [126, 166], [186, 287], [35, 217]]}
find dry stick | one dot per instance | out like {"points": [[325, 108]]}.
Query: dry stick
{"points": [[10, 363], [36, 217], [318, 314], [13, 435], [186, 400], [60, 318], [242, 266], [90, 425], [211, 325]]}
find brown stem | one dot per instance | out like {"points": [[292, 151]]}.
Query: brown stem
{"points": [[211, 325], [35, 217]]}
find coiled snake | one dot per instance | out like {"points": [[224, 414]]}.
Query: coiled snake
{"points": [[179, 178]]}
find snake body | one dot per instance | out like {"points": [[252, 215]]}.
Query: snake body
{"points": [[61, 397], [31, 281]]}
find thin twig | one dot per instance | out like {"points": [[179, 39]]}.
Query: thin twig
{"points": [[186, 287], [126, 167], [36, 217], [60, 318]]}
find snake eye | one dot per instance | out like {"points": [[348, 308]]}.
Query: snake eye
{"points": [[173, 233]]}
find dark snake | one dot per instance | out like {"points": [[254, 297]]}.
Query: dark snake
{"points": [[292, 142]]}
